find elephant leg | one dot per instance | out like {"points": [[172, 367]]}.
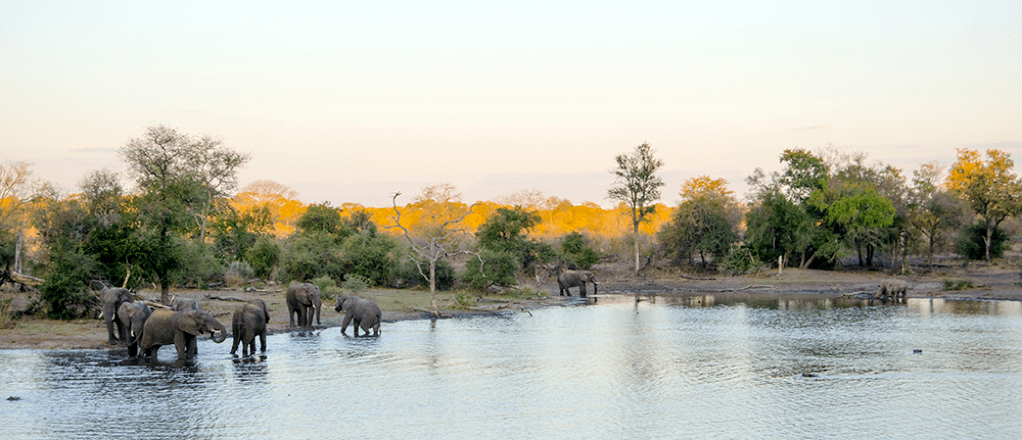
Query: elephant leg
{"points": [[262, 341], [344, 324], [133, 350], [358, 322], [234, 346], [582, 290]]}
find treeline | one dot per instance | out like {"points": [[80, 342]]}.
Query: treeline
{"points": [[185, 223]]}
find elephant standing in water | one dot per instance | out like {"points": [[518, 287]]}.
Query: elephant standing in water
{"points": [[248, 322], [576, 278], [363, 312], [133, 316], [303, 299], [111, 300], [165, 327]]}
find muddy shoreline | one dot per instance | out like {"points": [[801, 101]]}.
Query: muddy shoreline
{"points": [[988, 283]]}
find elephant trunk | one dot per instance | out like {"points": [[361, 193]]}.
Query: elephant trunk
{"points": [[596, 287], [219, 333], [319, 308]]}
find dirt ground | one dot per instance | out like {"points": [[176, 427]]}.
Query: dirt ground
{"points": [[996, 282]]}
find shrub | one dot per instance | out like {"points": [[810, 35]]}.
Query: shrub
{"points": [[738, 261], [406, 274], [263, 256], [368, 255], [311, 256], [238, 272], [971, 242], [576, 253], [327, 286], [198, 265], [356, 284], [491, 268]]}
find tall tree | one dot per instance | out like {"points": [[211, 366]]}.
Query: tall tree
{"points": [[439, 232], [177, 178], [933, 211], [990, 187], [637, 185], [705, 222]]}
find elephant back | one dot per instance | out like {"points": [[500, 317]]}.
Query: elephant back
{"points": [[158, 329]]}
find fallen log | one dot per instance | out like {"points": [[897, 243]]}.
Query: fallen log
{"points": [[225, 298], [26, 279]]}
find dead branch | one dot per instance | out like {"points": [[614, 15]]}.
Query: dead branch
{"points": [[694, 278], [225, 298]]}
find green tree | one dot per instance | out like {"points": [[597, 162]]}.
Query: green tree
{"points": [[491, 268], [576, 252], [177, 178], [505, 231], [637, 185], [933, 212], [323, 218], [703, 223]]}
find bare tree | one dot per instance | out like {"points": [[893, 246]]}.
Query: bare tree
{"points": [[638, 186], [439, 232]]}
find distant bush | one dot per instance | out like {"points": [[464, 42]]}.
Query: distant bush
{"points": [[238, 272], [198, 265], [263, 256], [739, 261], [406, 274], [369, 255], [490, 268], [310, 256], [576, 252], [971, 242], [355, 284], [327, 286]]}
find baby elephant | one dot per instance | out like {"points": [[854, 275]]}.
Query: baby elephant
{"points": [[248, 322], [890, 289], [364, 312]]}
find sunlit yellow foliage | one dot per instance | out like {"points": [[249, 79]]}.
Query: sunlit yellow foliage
{"points": [[704, 186], [285, 209]]}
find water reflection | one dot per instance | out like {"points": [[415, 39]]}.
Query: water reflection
{"points": [[697, 366]]}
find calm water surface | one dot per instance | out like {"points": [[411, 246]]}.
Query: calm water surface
{"points": [[697, 367]]}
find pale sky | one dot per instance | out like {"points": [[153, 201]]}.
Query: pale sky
{"points": [[352, 101]]}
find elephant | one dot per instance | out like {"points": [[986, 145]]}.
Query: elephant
{"points": [[111, 300], [364, 312], [890, 289], [303, 299], [165, 327], [248, 322], [133, 316], [184, 304], [576, 278]]}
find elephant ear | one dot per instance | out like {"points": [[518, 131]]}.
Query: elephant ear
{"points": [[190, 322]]}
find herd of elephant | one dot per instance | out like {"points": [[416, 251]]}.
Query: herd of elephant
{"points": [[141, 328]]}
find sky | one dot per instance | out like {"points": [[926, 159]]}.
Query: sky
{"points": [[349, 102]]}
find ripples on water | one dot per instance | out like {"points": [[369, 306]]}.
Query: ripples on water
{"points": [[696, 367]]}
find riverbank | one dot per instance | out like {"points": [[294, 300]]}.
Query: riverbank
{"points": [[979, 281]]}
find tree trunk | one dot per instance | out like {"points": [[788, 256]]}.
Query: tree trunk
{"points": [[635, 240], [432, 286], [988, 239]]}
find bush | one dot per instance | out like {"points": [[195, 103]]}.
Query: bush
{"points": [[311, 256], [263, 256], [739, 261], [971, 242], [576, 253], [238, 272], [491, 268], [198, 265], [368, 255], [407, 275], [65, 292], [327, 286], [356, 284]]}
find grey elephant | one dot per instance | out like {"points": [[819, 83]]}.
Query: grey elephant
{"points": [[133, 316], [111, 300], [363, 312], [576, 278], [891, 289], [184, 304], [249, 321], [304, 299], [165, 327]]}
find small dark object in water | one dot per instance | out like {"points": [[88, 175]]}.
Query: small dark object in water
{"points": [[917, 351], [13, 398], [808, 375]]}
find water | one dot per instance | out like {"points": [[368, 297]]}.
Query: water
{"points": [[696, 367]]}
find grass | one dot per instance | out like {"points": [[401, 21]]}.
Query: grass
{"points": [[958, 284]]}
